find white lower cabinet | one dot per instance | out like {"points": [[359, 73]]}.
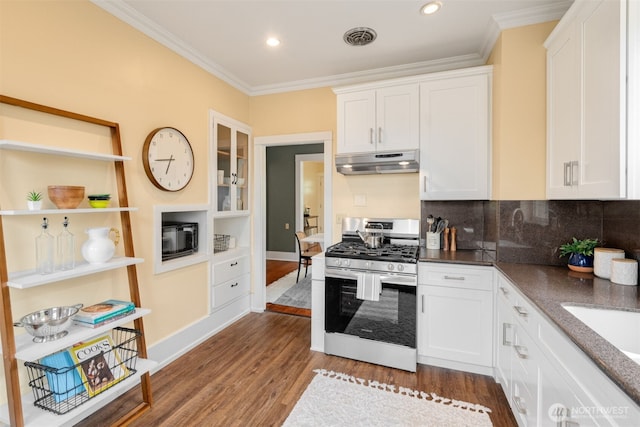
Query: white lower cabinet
{"points": [[231, 280], [547, 380], [455, 317]]}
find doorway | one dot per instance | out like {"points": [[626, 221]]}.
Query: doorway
{"points": [[258, 301]]}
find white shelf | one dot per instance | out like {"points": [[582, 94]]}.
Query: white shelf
{"points": [[30, 351], [65, 211], [44, 149], [231, 214], [29, 278], [231, 253], [34, 416]]}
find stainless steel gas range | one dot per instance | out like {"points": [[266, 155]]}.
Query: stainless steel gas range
{"points": [[370, 292]]}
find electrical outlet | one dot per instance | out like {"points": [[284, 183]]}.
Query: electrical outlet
{"points": [[286, 226]]}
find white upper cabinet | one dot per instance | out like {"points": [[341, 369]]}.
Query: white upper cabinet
{"points": [[587, 144], [378, 119], [455, 136]]}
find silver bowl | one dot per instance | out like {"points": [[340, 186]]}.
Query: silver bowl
{"points": [[49, 324]]}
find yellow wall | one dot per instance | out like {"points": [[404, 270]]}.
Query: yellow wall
{"points": [[314, 111], [75, 56], [519, 113]]}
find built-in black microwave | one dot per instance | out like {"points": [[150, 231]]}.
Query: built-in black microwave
{"points": [[179, 239]]}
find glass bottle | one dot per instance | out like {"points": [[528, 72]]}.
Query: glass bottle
{"points": [[44, 250], [66, 247]]}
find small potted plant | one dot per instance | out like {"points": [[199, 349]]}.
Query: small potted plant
{"points": [[34, 200], [580, 254]]}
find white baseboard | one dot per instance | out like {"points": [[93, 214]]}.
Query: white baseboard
{"points": [[281, 256], [182, 341]]}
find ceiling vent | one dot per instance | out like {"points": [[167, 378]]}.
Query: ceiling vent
{"points": [[360, 36]]}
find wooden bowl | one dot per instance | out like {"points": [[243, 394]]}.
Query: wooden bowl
{"points": [[65, 196]]}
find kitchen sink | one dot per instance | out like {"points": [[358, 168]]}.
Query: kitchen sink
{"points": [[621, 328]]}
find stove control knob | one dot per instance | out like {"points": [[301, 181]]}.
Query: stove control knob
{"points": [[346, 262], [338, 263], [400, 267], [390, 267]]}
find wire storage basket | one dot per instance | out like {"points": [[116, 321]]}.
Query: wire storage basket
{"points": [[62, 382], [220, 242]]}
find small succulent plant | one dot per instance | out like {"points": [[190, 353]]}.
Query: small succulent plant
{"points": [[34, 196]]}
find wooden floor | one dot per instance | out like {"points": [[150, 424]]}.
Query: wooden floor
{"points": [[253, 372], [276, 270]]}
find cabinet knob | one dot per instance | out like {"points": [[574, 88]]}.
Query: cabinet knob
{"points": [[519, 404], [521, 351], [521, 311], [505, 341]]}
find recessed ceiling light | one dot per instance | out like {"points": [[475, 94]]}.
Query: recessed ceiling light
{"points": [[431, 8], [273, 42]]}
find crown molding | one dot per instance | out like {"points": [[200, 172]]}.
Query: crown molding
{"points": [[520, 18], [398, 71], [129, 15], [500, 22]]}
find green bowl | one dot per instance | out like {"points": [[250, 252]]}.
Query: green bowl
{"points": [[99, 203]]}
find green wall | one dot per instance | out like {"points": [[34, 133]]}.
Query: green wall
{"points": [[281, 187]]}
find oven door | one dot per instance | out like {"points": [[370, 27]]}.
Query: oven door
{"points": [[392, 319]]}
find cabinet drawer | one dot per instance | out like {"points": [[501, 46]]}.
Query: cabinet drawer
{"points": [[524, 315], [227, 270], [456, 276], [525, 378], [230, 290]]}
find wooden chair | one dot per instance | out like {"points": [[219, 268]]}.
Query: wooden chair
{"points": [[305, 252]]}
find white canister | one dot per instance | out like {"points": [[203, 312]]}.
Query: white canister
{"points": [[433, 240], [624, 271], [602, 261], [220, 177]]}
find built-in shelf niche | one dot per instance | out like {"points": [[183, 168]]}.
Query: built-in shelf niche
{"points": [[237, 228], [180, 213]]}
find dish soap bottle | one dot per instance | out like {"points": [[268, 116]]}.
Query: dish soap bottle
{"points": [[66, 247], [44, 250]]}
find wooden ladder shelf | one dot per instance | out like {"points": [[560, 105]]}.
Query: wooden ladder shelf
{"points": [[16, 416]]}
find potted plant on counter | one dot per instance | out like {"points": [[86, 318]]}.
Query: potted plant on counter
{"points": [[580, 254], [34, 200]]}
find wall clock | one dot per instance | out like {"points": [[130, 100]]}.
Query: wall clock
{"points": [[168, 159]]}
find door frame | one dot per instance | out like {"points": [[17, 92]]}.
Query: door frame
{"points": [[259, 203], [300, 159]]}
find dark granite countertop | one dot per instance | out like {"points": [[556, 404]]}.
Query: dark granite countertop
{"points": [[478, 257], [548, 287]]}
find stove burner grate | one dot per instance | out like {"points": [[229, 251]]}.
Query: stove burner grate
{"points": [[388, 252]]}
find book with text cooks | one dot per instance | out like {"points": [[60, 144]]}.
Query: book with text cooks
{"points": [[99, 364], [97, 313]]}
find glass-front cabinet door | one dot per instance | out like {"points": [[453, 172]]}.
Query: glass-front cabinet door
{"points": [[231, 157]]}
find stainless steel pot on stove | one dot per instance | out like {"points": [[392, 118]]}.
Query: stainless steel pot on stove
{"points": [[372, 239]]}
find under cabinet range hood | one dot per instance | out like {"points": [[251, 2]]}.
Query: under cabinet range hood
{"points": [[380, 162]]}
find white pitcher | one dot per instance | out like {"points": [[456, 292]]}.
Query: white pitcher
{"points": [[100, 248]]}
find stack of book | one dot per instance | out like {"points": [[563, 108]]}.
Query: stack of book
{"points": [[107, 311]]}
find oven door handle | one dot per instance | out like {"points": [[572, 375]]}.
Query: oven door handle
{"points": [[407, 280], [341, 274], [399, 280]]}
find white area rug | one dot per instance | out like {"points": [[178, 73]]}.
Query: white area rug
{"points": [[336, 399]]}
